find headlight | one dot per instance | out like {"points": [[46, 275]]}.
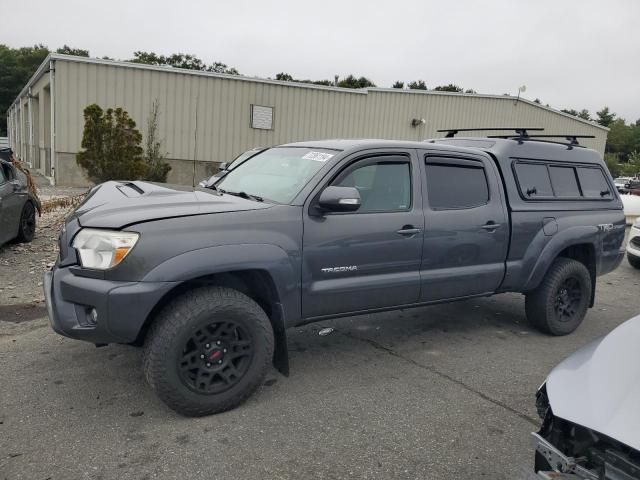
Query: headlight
{"points": [[103, 249]]}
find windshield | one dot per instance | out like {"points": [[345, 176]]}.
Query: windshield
{"points": [[277, 174], [242, 157]]}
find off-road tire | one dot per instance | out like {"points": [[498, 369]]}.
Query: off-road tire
{"points": [[174, 326], [541, 303], [633, 261], [27, 226]]}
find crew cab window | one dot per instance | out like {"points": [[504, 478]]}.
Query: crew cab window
{"points": [[451, 186], [593, 183], [384, 185], [534, 180], [564, 182]]}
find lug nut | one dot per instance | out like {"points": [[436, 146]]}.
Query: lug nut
{"points": [[207, 346], [208, 364], [201, 356], [224, 350], [219, 361], [218, 342]]}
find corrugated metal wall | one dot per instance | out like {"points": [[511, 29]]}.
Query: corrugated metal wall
{"points": [[208, 117]]}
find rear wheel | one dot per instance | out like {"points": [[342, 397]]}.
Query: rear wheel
{"points": [[560, 302], [208, 350], [633, 261], [27, 227]]}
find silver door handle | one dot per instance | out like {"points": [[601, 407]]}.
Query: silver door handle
{"points": [[408, 231], [490, 226]]}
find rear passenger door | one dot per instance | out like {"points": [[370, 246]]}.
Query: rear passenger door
{"points": [[466, 226]]}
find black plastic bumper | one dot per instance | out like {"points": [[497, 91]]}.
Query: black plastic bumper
{"points": [[97, 310]]}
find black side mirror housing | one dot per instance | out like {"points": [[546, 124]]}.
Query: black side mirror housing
{"points": [[339, 199]]}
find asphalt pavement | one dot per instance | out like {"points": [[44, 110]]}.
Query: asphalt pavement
{"points": [[441, 392]]}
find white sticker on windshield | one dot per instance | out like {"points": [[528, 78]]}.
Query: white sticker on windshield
{"points": [[318, 156]]}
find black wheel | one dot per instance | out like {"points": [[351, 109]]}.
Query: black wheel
{"points": [[633, 261], [560, 302], [208, 350], [27, 227]]}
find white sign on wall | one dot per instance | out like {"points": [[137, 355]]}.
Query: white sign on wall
{"points": [[261, 117]]}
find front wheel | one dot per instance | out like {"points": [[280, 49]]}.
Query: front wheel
{"points": [[560, 302], [208, 350], [633, 260]]}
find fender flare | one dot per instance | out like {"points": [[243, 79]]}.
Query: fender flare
{"points": [[566, 238], [272, 259]]}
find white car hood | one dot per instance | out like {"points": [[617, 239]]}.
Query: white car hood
{"points": [[598, 386]]}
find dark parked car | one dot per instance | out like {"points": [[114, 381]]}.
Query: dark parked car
{"points": [[209, 280], [590, 414], [17, 205]]}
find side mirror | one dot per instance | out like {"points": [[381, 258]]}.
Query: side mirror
{"points": [[340, 199]]}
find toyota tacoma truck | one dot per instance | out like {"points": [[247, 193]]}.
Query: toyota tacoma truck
{"points": [[209, 280]]}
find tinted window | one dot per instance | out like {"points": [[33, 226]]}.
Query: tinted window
{"points": [[593, 183], [456, 186], [3, 177], [564, 182], [383, 186], [534, 180]]}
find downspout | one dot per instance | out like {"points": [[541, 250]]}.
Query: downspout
{"points": [[30, 152], [52, 127], [21, 149]]}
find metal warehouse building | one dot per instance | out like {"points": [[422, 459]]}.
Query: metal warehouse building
{"points": [[207, 118]]}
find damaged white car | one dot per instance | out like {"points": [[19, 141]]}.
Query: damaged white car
{"points": [[590, 406]]}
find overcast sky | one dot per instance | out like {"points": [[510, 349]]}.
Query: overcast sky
{"points": [[569, 53]]}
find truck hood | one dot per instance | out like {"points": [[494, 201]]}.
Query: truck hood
{"points": [[118, 204], [598, 386]]}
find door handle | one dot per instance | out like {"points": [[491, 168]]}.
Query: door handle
{"points": [[408, 230], [490, 226]]}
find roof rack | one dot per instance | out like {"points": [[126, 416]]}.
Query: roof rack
{"points": [[521, 131], [571, 138]]}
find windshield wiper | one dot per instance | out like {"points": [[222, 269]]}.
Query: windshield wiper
{"points": [[246, 195]]}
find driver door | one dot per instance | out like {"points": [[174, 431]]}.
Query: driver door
{"points": [[370, 258]]}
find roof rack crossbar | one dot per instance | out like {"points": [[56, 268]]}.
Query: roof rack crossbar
{"points": [[521, 131]]}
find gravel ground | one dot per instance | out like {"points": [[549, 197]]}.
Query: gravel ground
{"points": [[439, 393]]}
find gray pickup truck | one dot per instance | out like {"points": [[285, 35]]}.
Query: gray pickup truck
{"points": [[208, 280]]}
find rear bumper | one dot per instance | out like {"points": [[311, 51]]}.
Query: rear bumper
{"points": [[97, 310]]}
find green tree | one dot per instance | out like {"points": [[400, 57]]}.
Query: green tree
{"points": [[16, 67], [181, 60], [614, 166], [417, 85], [110, 146], [78, 52], [156, 169], [537, 100], [448, 88], [470, 90], [284, 77], [352, 82], [605, 117], [570, 112], [584, 114], [398, 84]]}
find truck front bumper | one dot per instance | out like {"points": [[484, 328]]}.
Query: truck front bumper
{"points": [[97, 310]]}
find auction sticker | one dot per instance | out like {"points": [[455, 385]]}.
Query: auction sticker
{"points": [[318, 156]]}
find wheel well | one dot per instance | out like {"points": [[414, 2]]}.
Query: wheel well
{"points": [[256, 284], [584, 253]]}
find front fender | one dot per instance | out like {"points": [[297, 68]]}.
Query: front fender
{"points": [[284, 271], [540, 256]]}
